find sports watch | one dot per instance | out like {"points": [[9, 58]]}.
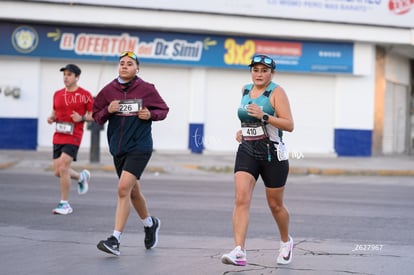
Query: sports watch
{"points": [[265, 118]]}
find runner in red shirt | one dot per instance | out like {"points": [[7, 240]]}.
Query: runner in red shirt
{"points": [[72, 106]]}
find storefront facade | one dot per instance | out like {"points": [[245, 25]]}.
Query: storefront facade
{"points": [[349, 84]]}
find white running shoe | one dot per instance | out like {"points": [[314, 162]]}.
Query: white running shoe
{"points": [[63, 209], [285, 252], [83, 185], [236, 257]]}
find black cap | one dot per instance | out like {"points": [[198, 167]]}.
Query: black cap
{"points": [[73, 68], [264, 60]]}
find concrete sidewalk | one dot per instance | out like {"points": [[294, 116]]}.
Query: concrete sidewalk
{"points": [[188, 163], [182, 255]]}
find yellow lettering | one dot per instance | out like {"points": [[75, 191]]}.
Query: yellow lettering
{"points": [[230, 45], [238, 54]]}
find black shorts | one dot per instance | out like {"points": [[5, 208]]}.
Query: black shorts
{"points": [[274, 173], [69, 149], [134, 163]]}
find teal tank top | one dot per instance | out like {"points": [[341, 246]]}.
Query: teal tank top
{"points": [[262, 101]]}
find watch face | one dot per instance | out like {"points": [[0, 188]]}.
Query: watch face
{"points": [[265, 117]]}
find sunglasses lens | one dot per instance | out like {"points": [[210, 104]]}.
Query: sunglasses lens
{"points": [[257, 59], [130, 54], [268, 61], [264, 59]]}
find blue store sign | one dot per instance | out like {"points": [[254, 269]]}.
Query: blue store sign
{"points": [[47, 41]]}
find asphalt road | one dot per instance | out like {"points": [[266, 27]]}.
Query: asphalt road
{"points": [[368, 220]]}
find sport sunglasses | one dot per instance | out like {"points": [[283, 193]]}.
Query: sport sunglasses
{"points": [[130, 54], [264, 59]]}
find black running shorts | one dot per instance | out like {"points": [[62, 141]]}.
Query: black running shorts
{"points": [[133, 162], [69, 149], [274, 173]]}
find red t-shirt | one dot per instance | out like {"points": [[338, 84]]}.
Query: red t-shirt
{"points": [[64, 103]]}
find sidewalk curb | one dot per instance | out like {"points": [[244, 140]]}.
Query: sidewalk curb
{"points": [[229, 169], [6, 165], [348, 172]]}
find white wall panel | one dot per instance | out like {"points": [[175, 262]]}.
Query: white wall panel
{"points": [[312, 100], [173, 85], [17, 72], [364, 57], [354, 95], [354, 102], [201, 22], [397, 69], [224, 91]]}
